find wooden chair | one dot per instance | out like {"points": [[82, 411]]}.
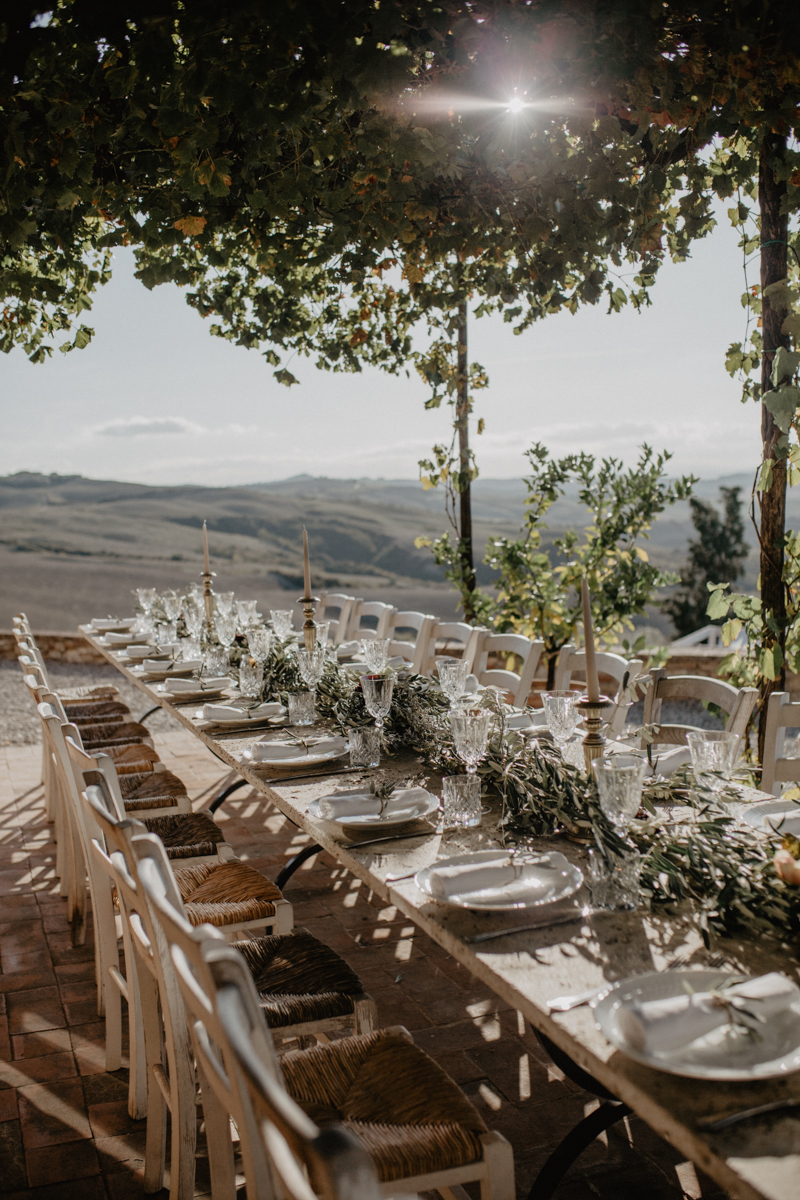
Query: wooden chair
{"points": [[420, 1131], [777, 769], [572, 661], [342, 607], [737, 703], [369, 610], [517, 684], [454, 638], [413, 650]]}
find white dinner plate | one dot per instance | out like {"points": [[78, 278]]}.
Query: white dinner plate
{"points": [[236, 726], [141, 651], [729, 1053], [291, 754], [774, 816], [416, 811], [558, 879], [188, 697]]}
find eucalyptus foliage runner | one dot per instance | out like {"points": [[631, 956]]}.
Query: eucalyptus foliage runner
{"points": [[698, 861]]}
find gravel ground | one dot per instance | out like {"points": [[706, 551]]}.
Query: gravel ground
{"points": [[19, 724]]}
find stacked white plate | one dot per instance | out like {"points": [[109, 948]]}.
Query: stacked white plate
{"points": [[306, 753], [489, 881]]}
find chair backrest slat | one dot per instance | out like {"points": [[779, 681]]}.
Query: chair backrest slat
{"points": [[518, 684], [778, 768]]}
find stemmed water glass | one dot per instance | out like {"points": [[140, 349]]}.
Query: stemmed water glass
{"points": [[259, 641], [378, 691], [713, 754], [224, 603], [147, 598], [282, 622], [172, 605], [562, 716], [246, 611], [619, 784], [226, 630], [453, 677], [376, 654], [470, 734], [311, 664]]}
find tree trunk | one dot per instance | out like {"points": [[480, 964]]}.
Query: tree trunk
{"points": [[465, 495], [774, 233]]}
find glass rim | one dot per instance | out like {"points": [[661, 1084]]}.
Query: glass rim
{"points": [[711, 735]]}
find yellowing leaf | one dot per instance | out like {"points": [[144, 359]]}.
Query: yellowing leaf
{"points": [[191, 226]]}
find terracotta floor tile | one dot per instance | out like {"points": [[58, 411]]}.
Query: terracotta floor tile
{"points": [[8, 1105], [31, 1011], [110, 1119], [12, 1156], [103, 1087], [37, 1070], [34, 1045], [53, 1114], [28, 960], [123, 1152], [59, 1164]]}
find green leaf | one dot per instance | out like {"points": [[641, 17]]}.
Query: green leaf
{"points": [[717, 605], [764, 481], [782, 402], [784, 365], [730, 631]]}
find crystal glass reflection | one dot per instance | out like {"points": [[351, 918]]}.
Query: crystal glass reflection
{"points": [[172, 605], [614, 882], [364, 744], [470, 734], [301, 708], [147, 598], [193, 616], [226, 629], [311, 664], [251, 677], [461, 800], [224, 603], [561, 715], [376, 654], [246, 612], [378, 691], [713, 754]]}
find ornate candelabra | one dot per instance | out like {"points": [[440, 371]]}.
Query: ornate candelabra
{"points": [[595, 714], [309, 604]]}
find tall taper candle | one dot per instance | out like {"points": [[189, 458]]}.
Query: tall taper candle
{"points": [[206, 565], [592, 686], [306, 567]]}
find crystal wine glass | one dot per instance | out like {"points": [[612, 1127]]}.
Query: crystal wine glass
{"points": [[562, 716], [193, 616], [251, 677], [311, 664], [453, 677], [224, 603], [376, 654], [147, 598], [470, 734], [246, 611], [713, 754], [259, 641], [282, 622], [172, 605], [378, 691], [619, 783], [226, 630]]}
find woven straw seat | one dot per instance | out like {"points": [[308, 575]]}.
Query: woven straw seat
{"points": [[73, 695], [136, 758], [97, 737], [299, 979], [226, 893], [158, 789], [97, 712], [411, 1117], [187, 835]]}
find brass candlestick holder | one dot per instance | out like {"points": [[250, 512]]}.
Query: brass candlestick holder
{"points": [[595, 714], [208, 600], [309, 604]]}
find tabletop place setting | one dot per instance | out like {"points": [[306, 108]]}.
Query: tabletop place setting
{"points": [[499, 822]]}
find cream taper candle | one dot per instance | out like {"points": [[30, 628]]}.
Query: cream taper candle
{"points": [[306, 567], [206, 564], [592, 685]]}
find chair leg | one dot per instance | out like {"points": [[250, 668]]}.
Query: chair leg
{"points": [[498, 1157], [218, 1142], [573, 1145]]}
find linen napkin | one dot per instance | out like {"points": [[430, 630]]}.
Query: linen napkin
{"points": [[229, 712], [104, 624], [363, 804], [347, 649], [194, 685], [655, 1026], [121, 639], [461, 879], [471, 685], [140, 651], [162, 662], [276, 752]]}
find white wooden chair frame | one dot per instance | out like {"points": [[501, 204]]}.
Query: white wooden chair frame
{"points": [[466, 639], [249, 1055], [782, 712], [571, 660], [338, 626], [518, 685], [738, 703], [415, 653], [369, 608]]}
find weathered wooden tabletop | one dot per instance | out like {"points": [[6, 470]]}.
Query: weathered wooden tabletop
{"points": [[756, 1158]]}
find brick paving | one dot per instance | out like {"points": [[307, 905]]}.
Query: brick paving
{"points": [[64, 1127]]}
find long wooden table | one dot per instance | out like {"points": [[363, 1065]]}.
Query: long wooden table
{"points": [[758, 1158]]}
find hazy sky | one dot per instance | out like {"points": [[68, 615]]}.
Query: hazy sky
{"points": [[156, 399]]}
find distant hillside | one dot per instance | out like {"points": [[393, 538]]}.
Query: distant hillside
{"points": [[361, 534]]}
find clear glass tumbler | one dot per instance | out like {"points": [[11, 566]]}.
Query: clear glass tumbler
{"points": [[215, 661], [614, 882], [301, 708], [713, 754], [365, 746], [461, 800], [246, 612], [251, 677]]}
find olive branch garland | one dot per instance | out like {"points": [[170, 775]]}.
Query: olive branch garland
{"points": [[721, 870]]}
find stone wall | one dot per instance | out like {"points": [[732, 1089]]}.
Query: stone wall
{"points": [[57, 647]]}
